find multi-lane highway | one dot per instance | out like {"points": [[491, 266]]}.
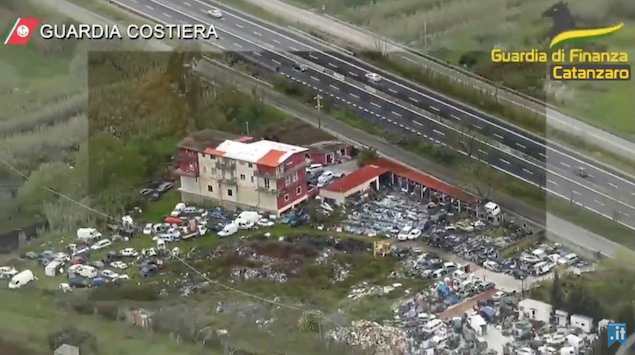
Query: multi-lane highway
{"points": [[259, 40]]}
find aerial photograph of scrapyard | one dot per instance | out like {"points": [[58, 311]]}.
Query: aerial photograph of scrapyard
{"points": [[305, 177]]}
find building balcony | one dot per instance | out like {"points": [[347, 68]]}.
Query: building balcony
{"points": [[277, 175], [187, 173], [273, 190], [228, 165]]}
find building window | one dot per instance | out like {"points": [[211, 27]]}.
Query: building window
{"points": [[286, 197], [267, 183], [241, 162], [295, 176], [205, 169], [213, 171], [212, 157], [287, 180], [298, 190], [252, 179], [242, 177], [230, 192], [210, 188], [250, 165]]}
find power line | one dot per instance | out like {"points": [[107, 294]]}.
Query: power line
{"points": [[188, 265]]}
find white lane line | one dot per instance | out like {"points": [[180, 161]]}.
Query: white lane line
{"points": [[135, 1], [294, 49], [257, 53], [599, 203], [552, 182], [374, 104], [438, 132], [498, 136], [482, 151], [455, 117], [353, 95], [418, 123], [351, 73], [187, 4], [332, 65], [612, 185], [396, 113], [334, 87], [275, 40], [434, 108], [277, 62], [527, 171], [520, 145], [258, 34], [413, 99], [393, 90], [150, 7], [313, 57], [166, 15], [504, 161], [565, 165], [239, 25], [314, 78], [576, 193], [237, 45]]}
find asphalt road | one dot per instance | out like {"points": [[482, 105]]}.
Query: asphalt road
{"points": [[380, 110], [564, 160], [364, 38]]}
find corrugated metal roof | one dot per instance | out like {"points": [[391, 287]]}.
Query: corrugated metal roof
{"points": [[356, 178]]}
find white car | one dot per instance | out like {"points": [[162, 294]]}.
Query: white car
{"points": [[109, 274], [325, 178], [414, 234], [123, 277], [498, 295], [149, 252], [528, 258], [104, 243], [265, 223], [7, 271], [373, 77], [215, 13], [491, 265], [147, 230], [129, 252], [119, 265]]}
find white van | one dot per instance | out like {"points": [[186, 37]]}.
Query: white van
{"points": [[248, 217], [403, 233], [568, 259], [21, 279], [228, 230], [88, 234], [87, 272]]}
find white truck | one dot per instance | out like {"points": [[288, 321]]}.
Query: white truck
{"points": [[88, 234], [247, 219], [21, 279], [87, 271]]}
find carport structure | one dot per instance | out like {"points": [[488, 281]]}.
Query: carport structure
{"points": [[428, 188], [367, 177]]}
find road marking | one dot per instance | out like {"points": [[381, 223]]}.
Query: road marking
{"points": [[527, 171], [482, 151], [504, 161], [135, 1], [332, 65], [351, 73], [187, 4], [166, 15], [438, 132], [392, 90], [257, 53], [418, 123], [334, 87], [237, 45], [455, 117], [477, 127], [294, 49], [434, 108], [521, 146], [565, 164], [413, 99], [258, 34], [374, 104], [396, 113], [353, 95], [613, 185], [552, 182], [276, 41], [577, 193], [599, 203], [313, 57], [314, 78], [239, 25], [498, 136], [277, 62], [150, 7]]}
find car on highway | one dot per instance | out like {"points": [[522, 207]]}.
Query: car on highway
{"points": [[373, 77], [581, 172], [215, 13], [301, 67]]}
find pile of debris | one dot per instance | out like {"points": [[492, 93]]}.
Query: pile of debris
{"points": [[366, 335]]}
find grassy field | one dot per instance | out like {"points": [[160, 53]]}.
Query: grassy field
{"points": [[449, 29]]}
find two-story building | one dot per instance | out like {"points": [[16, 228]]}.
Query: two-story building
{"points": [[241, 172]]}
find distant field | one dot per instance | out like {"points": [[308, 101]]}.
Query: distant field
{"points": [[448, 29]]}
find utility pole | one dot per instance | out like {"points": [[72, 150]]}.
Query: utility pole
{"points": [[318, 100], [425, 34], [247, 127]]}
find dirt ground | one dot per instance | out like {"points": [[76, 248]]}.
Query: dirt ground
{"points": [[298, 132]]}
